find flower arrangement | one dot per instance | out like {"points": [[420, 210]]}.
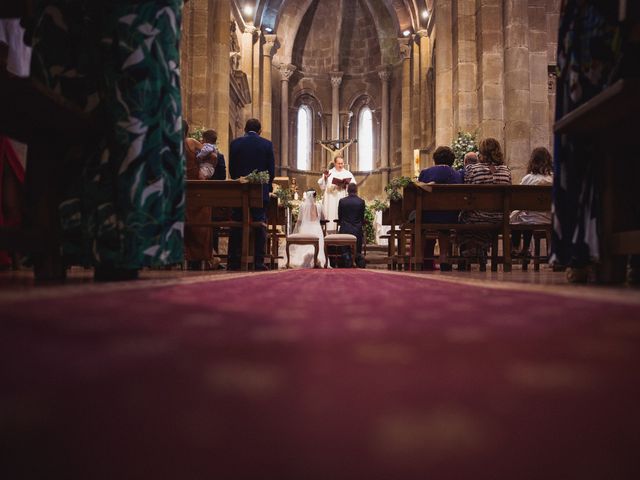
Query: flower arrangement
{"points": [[369, 219], [258, 177], [394, 189], [379, 205], [197, 133], [464, 143], [285, 196]]}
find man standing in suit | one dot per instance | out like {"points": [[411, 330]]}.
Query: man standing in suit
{"points": [[246, 154], [351, 218]]}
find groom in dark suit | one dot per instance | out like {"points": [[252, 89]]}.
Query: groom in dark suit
{"points": [[351, 218], [246, 154]]}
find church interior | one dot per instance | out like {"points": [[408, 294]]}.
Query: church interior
{"points": [[399, 352]]}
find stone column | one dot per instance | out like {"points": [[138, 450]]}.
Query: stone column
{"points": [[539, 76], [247, 60], [517, 90], [286, 70], [267, 51], [465, 67], [415, 93], [444, 78], [385, 74], [422, 36], [491, 70], [256, 83], [405, 144], [336, 80], [218, 16]]}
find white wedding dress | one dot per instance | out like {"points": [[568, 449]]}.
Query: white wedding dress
{"points": [[308, 224]]}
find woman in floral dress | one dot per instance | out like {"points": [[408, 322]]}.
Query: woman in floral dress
{"points": [[123, 207]]}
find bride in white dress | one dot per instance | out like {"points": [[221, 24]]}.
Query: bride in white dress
{"points": [[308, 224]]}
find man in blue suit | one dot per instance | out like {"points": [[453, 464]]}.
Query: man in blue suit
{"points": [[246, 154]]}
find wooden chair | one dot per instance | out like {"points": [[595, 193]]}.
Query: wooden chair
{"points": [[233, 194], [340, 240], [277, 221], [302, 239]]}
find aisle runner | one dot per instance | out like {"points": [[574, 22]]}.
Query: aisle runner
{"points": [[319, 374]]}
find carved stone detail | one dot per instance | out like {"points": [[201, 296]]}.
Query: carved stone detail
{"points": [[336, 79], [269, 47], [384, 72], [286, 71]]}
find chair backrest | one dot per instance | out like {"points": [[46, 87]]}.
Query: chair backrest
{"points": [[223, 193]]}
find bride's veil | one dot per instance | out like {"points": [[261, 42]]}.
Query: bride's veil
{"points": [[308, 214]]}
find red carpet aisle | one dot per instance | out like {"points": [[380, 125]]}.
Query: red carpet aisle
{"points": [[320, 375]]}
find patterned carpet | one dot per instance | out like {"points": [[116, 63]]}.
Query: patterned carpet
{"points": [[339, 374]]}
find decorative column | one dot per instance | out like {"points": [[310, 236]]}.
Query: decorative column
{"points": [[286, 70], [422, 36], [246, 61], [517, 88], [256, 94], [385, 75], [406, 147], [444, 73], [218, 72], [267, 51], [336, 80]]}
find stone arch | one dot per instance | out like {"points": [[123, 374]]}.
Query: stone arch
{"points": [[308, 98]]}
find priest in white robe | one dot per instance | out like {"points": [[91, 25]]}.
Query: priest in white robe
{"points": [[333, 183]]}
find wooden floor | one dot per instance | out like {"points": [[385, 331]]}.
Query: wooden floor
{"points": [[19, 285]]}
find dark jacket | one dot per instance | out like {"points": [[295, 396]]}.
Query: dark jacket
{"points": [[252, 152], [221, 169], [351, 214]]}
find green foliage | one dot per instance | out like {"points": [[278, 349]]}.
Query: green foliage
{"points": [[369, 217], [197, 133], [464, 143], [258, 177], [394, 189], [379, 205], [285, 196]]}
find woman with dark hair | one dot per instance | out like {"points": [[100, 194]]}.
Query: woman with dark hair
{"points": [[490, 169], [539, 172]]}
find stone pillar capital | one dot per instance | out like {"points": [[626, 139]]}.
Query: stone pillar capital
{"points": [[286, 70], [405, 48], [336, 78], [384, 72], [270, 45], [250, 29], [422, 33]]}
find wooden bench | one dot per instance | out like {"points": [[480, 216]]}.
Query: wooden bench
{"points": [[421, 197], [230, 194]]}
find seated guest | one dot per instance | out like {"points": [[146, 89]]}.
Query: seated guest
{"points": [[443, 173], [351, 219], [539, 172], [469, 159], [490, 169]]}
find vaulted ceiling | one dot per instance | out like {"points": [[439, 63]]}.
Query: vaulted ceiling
{"points": [[298, 25]]}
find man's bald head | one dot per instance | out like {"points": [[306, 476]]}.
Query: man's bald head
{"points": [[470, 158]]}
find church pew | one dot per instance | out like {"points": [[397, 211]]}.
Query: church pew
{"points": [[229, 194], [421, 197]]}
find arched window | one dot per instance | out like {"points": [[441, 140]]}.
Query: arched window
{"points": [[365, 140], [304, 138]]}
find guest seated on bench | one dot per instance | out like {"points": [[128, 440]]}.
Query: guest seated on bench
{"points": [[490, 169], [539, 172], [442, 172]]}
